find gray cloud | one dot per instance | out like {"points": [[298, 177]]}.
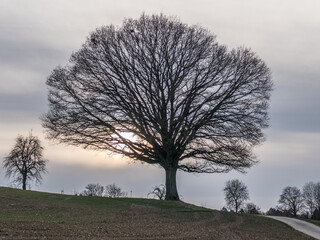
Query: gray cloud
{"points": [[21, 54], [295, 102], [28, 102]]}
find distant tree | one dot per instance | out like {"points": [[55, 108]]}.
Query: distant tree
{"points": [[272, 212], [114, 191], [251, 208], [164, 93], [308, 194], [224, 209], [316, 214], [93, 189], [241, 210], [236, 193], [159, 192], [25, 162], [311, 196], [317, 196], [291, 199], [277, 212]]}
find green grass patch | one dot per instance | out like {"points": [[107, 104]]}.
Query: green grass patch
{"points": [[315, 222]]}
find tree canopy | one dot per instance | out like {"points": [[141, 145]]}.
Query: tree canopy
{"points": [[185, 101]]}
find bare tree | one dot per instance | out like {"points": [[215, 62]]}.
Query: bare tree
{"points": [[159, 192], [164, 93], [317, 200], [25, 161], [236, 193], [93, 189], [308, 194], [291, 200], [311, 196], [114, 191]]}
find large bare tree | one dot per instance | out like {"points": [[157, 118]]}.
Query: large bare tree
{"points": [[164, 93], [25, 162]]}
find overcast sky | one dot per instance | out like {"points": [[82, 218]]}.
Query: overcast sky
{"points": [[38, 35]]}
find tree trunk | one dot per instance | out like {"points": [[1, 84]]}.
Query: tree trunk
{"points": [[24, 181], [294, 211], [171, 184]]}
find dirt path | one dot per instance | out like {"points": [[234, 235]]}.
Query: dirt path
{"points": [[302, 226]]}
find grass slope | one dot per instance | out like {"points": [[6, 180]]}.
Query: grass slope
{"points": [[38, 215], [315, 222]]}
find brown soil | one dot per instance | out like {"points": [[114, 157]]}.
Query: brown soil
{"points": [[142, 222]]}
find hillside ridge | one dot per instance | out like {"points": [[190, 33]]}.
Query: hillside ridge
{"points": [[39, 215]]}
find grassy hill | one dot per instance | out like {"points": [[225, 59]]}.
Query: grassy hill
{"points": [[38, 215]]}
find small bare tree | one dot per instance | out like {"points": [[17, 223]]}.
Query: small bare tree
{"points": [[236, 193], [159, 192], [186, 101], [93, 189], [113, 191], [25, 161], [291, 200]]}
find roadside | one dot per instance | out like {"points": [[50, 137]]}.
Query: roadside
{"points": [[302, 226]]}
